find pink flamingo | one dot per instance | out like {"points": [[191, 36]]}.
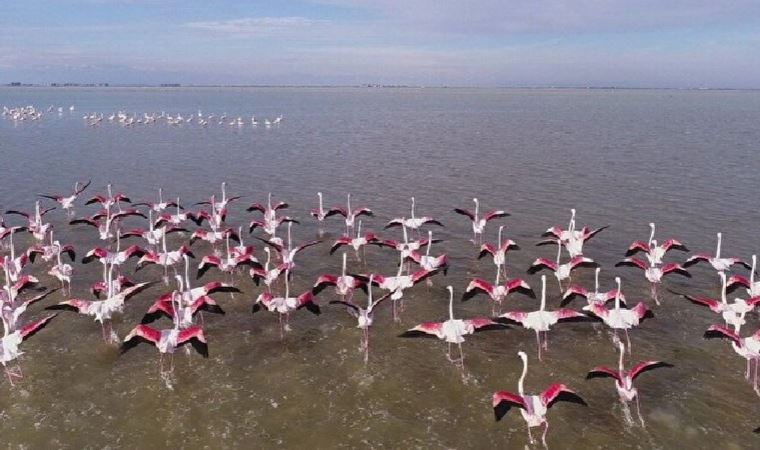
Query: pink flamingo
{"points": [[652, 250], [350, 214], [572, 239], [532, 407], [624, 379], [479, 223], [288, 252], [365, 317], [453, 330], [321, 213], [108, 200], [345, 284], [746, 347], [228, 264], [265, 274], [396, 285], [621, 319], [592, 298], [561, 271], [283, 306], [357, 243], [498, 253], [221, 204], [732, 313], [654, 274], [541, 320], [160, 205], [67, 202], [753, 287], [9, 345], [497, 292], [413, 222], [35, 225], [717, 262]]}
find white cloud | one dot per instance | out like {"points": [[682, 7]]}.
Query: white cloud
{"points": [[258, 26]]}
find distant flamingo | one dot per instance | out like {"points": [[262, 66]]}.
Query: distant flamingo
{"points": [[153, 235], [572, 239], [228, 263], [732, 313], [113, 258], [624, 379], [265, 274], [541, 320], [160, 205], [453, 330], [396, 285], [655, 252], [350, 214], [654, 274], [181, 309], [621, 319], [35, 225], [269, 211], [164, 258], [413, 222], [321, 213], [63, 273], [67, 202], [178, 218], [532, 407], [479, 223], [430, 263], [14, 264], [363, 316], [221, 204], [51, 251], [108, 200], [288, 252], [717, 262], [9, 345]]}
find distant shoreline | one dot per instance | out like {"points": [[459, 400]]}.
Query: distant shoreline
{"points": [[363, 86]]}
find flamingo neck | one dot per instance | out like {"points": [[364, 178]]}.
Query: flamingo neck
{"points": [[412, 207], [269, 258], [651, 236], [405, 236], [160, 195], [287, 284], [543, 292], [621, 346], [429, 243], [348, 203], [369, 292], [477, 208], [321, 209], [723, 288], [289, 239], [520, 385], [617, 295], [596, 281], [359, 229], [752, 273], [150, 219], [451, 303], [187, 271], [559, 251], [500, 230], [224, 192], [343, 272], [717, 250], [400, 265], [13, 248]]}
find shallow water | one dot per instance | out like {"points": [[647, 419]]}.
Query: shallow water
{"points": [[686, 160]]}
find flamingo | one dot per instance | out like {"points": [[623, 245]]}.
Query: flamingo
{"points": [[11, 307], [166, 341], [269, 211], [164, 258], [753, 287], [532, 407], [479, 223], [104, 220], [406, 247], [345, 285], [718, 263], [221, 204], [108, 200], [654, 274], [413, 222], [265, 274], [453, 330], [178, 218], [63, 272], [396, 285], [213, 236], [732, 313], [571, 238], [499, 253], [51, 251], [624, 379], [592, 298], [67, 202], [184, 309], [350, 214], [561, 271], [365, 317], [320, 213], [746, 347], [228, 264], [428, 262], [288, 253], [160, 205], [9, 345], [283, 306], [652, 250], [541, 320], [115, 285], [113, 258], [14, 264], [152, 235], [621, 319], [103, 310], [35, 225], [497, 292], [358, 242]]}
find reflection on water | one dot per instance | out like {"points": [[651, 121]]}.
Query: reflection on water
{"points": [[685, 160]]}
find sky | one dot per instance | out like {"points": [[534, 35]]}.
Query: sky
{"points": [[626, 43]]}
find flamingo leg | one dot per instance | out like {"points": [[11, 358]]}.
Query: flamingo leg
{"points": [[461, 356], [538, 341], [282, 329], [543, 436], [654, 294], [747, 374], [628, 339], [546, 340], [638, 412]]}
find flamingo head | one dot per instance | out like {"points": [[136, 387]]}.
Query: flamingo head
{"points": [[523, 356]]}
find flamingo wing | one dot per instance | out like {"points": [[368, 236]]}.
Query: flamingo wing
{"points": [[675, 268], [601, 372], [494, 215], [194, 335], [502, 401], [719, 331], [558, 392], [541, 264], [465, 212], [140, 333], [521, 286], [476, 287], [672, 244], [645, 366], [637, 246], [425, 329], [31, 328], [633, 262], [696, 259]]}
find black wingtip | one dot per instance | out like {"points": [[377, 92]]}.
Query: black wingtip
{"points": [[501, 410]]}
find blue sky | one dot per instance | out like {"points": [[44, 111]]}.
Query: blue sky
{"points": [[636, 43]]}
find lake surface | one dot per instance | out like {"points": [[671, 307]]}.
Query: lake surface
{"points": [[686, 160]]}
